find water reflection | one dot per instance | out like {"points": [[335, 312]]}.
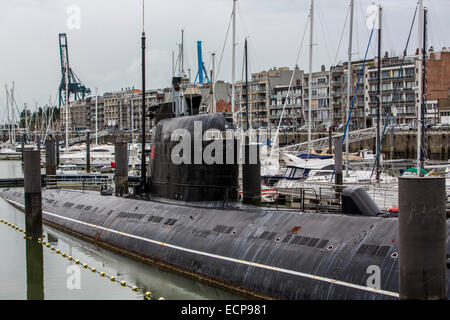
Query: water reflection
{"points": [[159, 282], [35, 270]]}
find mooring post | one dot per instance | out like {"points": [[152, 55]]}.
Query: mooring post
{"points": [[121, 167], [50, 157], [33, 194], [251, 174], [422, 238], [338, 180], [88, 152]]}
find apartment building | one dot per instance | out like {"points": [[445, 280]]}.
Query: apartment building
{"points": [[260, 89], [338, 95], [438, 86], [77, 115], [123, 109], [92, 112], [320, 97], [399, 84], [286, 106]]}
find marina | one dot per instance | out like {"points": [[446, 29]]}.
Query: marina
{"points": [[92, 286], [284, 185]]}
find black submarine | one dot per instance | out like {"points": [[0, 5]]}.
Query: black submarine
{"points": [[191, 222]]}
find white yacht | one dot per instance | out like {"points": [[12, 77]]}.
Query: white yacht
{"points": [[67, 169], [321, 169], [101, 156], [7, 153]]}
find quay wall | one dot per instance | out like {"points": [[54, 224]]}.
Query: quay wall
{"points": [[404, 144]]}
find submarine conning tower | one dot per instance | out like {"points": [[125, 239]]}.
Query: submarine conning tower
{"points": [[193, 157]]}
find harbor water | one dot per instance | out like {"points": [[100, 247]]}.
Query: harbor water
{"points": [[64, 279]]}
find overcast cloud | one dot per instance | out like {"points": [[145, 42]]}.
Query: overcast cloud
{"points": [[105, 52]]}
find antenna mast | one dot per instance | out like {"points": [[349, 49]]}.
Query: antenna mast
{"points": [[419, 106], [143, 155]]}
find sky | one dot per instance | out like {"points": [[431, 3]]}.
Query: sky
{"points": [[104, 39]]}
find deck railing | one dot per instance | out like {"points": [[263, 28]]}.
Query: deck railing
{"points": [[78, 182]]}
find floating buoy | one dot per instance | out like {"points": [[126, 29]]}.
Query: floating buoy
{"points": [[102, 274], [113, 278], [93, 269], [134, 288], [148, 294], [63, 254], [70, 258], [85, 265], [77, 261], [161, 298], [123, 283]]}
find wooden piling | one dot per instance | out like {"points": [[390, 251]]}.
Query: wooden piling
{"points": [[33, 193], [422, 238], [121, 168], [50, 157]]}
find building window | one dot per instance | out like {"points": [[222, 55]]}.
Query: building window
{"points": [[322, 80]]}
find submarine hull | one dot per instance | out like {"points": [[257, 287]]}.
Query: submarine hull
{"points": [[278, 254]]}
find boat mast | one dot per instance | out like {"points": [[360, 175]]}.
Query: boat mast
{"points": [[13, 114], [37, 124], [173, 64], [96, 116], [310, 73], [213, 82], [25, 114], [349, 86], [233, 57], [7, 110], [132, 118], [246, 89], [379, 96], [182, 53], [419, 106]]}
